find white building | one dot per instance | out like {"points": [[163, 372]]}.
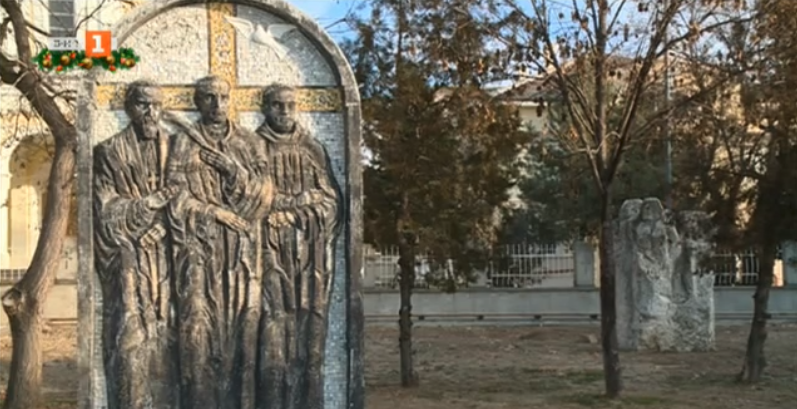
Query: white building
{"points": [[25, 145]]}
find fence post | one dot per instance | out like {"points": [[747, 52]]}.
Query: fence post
{"points": [[370, 270], [789, 254], [584, 265]]}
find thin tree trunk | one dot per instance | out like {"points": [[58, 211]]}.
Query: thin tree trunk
{"points": [[611, 356], [24, 301], [406, 283], [755, 360]]}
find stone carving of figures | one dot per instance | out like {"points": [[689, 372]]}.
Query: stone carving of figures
{"points": [[693, 290], [654, 241], [132, 254], [696, 244], [298, 255], [661, 305], [216, 258], [625, 235]]}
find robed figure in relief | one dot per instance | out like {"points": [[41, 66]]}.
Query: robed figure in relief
{"points": [[132, 255], [298, 236], [216, 253]]}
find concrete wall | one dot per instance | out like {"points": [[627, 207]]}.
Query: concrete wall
{"points": [[61, 303], [470, 303]]}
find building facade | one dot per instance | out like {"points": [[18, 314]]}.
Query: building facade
{"points": [[26, 144]]}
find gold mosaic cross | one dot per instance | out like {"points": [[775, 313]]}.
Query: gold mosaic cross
{"points": [[223, 63]]}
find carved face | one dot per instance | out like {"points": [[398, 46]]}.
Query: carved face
{"points": [[213, 102], [144, 109], [280, 111], [652, 210]]}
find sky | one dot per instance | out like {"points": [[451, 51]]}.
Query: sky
{"points": [[326, 12]]}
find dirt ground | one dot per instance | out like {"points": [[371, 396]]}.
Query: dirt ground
{"points": [[525, 367]]}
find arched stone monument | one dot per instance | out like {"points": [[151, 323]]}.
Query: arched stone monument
{"points": [[220, 214]]}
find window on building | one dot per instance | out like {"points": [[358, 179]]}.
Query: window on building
{"points": [[62, 18]]}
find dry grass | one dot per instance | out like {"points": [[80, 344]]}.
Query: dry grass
{"points": [[524, 367]]}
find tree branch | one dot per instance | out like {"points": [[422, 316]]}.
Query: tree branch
{"points": [[21, 32], [635, 92], [89, 16]]}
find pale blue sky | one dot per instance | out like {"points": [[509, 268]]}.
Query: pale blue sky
{"points": [[326, 12]]}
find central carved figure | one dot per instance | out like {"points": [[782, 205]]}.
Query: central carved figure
{"points": [[218, 280], [216, 269]]}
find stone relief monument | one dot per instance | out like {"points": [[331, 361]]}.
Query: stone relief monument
{"points": [[664, 301], [220, 237]]}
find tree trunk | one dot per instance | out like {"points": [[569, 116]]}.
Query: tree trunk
{"points": [[24, 301], [406, 282], [611, 357], [755, 361]]}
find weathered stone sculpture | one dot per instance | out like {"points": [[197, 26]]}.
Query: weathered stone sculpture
{"points": [[213, 225], [693, 289], [132, 254], [661, 303], [298, 235], [226, 238], [250, 224]]}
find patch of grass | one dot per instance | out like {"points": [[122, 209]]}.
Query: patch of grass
{"points": [[693, 382], [585, 377], [591, 400], [642, 400], [54, 403]]}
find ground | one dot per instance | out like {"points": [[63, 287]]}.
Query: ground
{"points": [[523, 367]]}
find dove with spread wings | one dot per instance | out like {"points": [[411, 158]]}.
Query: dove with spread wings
{"points": [[268, 36]]}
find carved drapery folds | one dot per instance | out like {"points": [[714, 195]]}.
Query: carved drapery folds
{"points": [[214, 248]]}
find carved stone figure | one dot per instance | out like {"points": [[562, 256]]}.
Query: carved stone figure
{"points": [[624, 251], [659, 296], [132, 255], [693, 288], [216, 253], [297, 250]]}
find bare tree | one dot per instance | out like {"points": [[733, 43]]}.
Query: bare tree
{"points": [[53, 104], [601, 57], [744, 136]]}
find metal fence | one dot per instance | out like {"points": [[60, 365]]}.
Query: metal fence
{"points": [[512, 266], [551, 266], [739, 269], [525, 266]]}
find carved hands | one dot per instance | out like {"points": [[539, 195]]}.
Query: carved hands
{"points": [[309, 198], [306, 198], [153, 235], [231, 220], [222, 163], [286, 205], [281, 218], [160, 198]]}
